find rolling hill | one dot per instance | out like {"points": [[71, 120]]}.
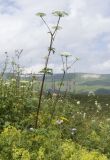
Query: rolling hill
{"points": [[79, 83]]}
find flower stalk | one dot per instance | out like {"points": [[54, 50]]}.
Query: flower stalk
{"points": [[50, 50]]}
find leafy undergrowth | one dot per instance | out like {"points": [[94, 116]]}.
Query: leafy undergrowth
{"points": [[78, 128], [42, 144]]}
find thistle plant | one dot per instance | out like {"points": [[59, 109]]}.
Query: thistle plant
{"points": [[51, 50]]}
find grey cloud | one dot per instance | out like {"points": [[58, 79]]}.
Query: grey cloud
{"points": [[85, 33]]}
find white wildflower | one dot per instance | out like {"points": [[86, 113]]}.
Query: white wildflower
{"points": [[22, 86], [60, 100], [73, 131], [99, 107], [97, 111], [84, 115], [78, 102], [91, 93], [13, 80], [96, 103], [31, 129], [7, 83], [59, 121]]}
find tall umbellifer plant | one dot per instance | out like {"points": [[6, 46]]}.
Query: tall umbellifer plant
{"points": [[51, 50], [66, 67]]}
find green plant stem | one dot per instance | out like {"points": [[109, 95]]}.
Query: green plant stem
{"points": [[46, 65], [58, 95], [65, 69], [5, 65], [42, 86], [66, 76]]}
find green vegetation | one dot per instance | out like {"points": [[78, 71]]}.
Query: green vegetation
{"points": [[79, 129]]}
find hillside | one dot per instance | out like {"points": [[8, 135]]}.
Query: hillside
{"points": [[85, 82], [78, 82]]}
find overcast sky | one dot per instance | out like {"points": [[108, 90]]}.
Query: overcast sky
{"points": [[85, 33]]}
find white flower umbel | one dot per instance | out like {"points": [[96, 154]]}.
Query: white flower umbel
{"points": [[66, 54]]}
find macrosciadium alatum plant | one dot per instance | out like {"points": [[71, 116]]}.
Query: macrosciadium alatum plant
{"points": [[66, 67], [51, 50]]}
